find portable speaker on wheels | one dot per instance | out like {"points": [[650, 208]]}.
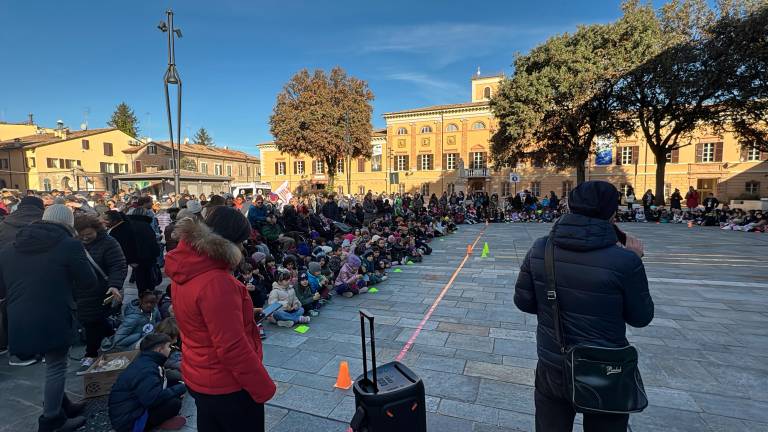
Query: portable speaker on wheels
{"points": [[391, 399]]}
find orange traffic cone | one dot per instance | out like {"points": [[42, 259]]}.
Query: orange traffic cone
{"points": [[469, 249], [343, 381]]}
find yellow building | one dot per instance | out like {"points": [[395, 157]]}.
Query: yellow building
{"points": [[45, 159], [446, 148]]}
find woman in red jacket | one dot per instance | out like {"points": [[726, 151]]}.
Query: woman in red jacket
{"points": [[222, 364]]}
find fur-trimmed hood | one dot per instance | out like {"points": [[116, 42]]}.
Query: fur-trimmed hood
{"points": [[199, 250]]}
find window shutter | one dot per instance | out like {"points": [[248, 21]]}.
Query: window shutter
{"points": [[295, 168], [635, 154], [276, 171], [361, 165], [699, 152], [618, 155], [431, 162], [314, 166], [418, 162], [743, 153], [675, 156], [406, 163], [445, 161], [718, 152]]}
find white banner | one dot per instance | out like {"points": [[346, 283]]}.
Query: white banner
{"points": [[284, 192]]}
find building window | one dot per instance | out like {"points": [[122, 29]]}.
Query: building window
{"points": [[425, 189], [451, 188], [240, 170], [229, 170], [624, 188], [450, 161], [71, 163], [3, 163], [401, 143], [478, 160], [361, 190], [709, 152], [298, 167], [402, 131], [376, 163], [108, 149], [123, 168], [667, 190], [32, 163], [752, 187], [52, 163], [626, 155], [340, 166], [217, 169], [171, 163], [567, 186], [152, 149], [361, 165], [280, 168], [425, 141], [426, 129], [673, 156], [319, 167], [505, 188], [107, 167], [452, 128], [487, 93], [137, 166], [425, 162], [204, 167], [86, 145], [401, 188], [536, 188], [753, 154], [47, 185], [401, 163], [478, 125]]}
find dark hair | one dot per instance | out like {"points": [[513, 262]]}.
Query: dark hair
{"points": [[169, 327], [143, 200], [114, 215], [215, 200], [153, 340], [229, 223], [85, 221], [146, 293]]}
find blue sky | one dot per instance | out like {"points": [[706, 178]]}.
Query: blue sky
{"points": [[66, 60]]}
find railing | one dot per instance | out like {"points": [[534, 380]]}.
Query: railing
{"points": [[477, 172]]}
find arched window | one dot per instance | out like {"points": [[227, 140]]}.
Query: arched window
{"points": [[47, 185], [402, 131], [426, 129], [487, 93], [452, 128], [65, 183], [478, 125]]}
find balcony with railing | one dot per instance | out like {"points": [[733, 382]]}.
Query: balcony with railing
{"points": [[477, 172]]}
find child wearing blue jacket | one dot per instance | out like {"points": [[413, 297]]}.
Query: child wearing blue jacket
{"points": [[140, 400]]}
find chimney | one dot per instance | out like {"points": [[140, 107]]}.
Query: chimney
{"points": [[59, 124], [31, 120]]}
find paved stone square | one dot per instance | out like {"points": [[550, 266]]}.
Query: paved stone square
{"points": [[704, 358]]}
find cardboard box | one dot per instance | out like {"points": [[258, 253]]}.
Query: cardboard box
{"points": [[97, 384]]}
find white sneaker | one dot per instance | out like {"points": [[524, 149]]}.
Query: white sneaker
{"points": [[15, 361], [285, 323], [347, 294], [304, 320], [383, 278], [363, 290]]}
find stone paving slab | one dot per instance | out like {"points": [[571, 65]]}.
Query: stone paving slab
{"points": [[704, 358]]}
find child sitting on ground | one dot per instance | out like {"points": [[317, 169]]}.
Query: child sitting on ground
{"points": [[283, 293], [169, 327], [140, 400], [139, 319], [309, 299], [349, 282], [318, 282]]}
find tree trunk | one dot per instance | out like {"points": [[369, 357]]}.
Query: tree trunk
{"points": [[581, 174], [331, 181], [661, 167]]}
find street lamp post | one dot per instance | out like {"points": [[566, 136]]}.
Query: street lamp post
{"points": [[172, 78], [348, 139]]}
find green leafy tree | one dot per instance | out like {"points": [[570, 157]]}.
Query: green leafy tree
{"points": [[326, 116], [124, 119], [560, 99], [203, 138]]}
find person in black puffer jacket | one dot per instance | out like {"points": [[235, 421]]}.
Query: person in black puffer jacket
{"points": [[140, 393], [147, 249], [120, 229], [601, 286], [41, 272], [111, 271]]}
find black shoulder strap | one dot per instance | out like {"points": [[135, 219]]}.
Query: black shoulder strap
{"points": [[549, 267]]}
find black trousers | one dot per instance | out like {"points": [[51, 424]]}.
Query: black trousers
{"points": [[233, 412], [143, 275], [554, 412], [95, 332], [163, 412]]}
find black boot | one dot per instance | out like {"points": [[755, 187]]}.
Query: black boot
{"points": [[72, 409], [60, 424]]}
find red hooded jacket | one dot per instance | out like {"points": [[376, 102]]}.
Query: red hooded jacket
{"points": [[222, 347]]}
